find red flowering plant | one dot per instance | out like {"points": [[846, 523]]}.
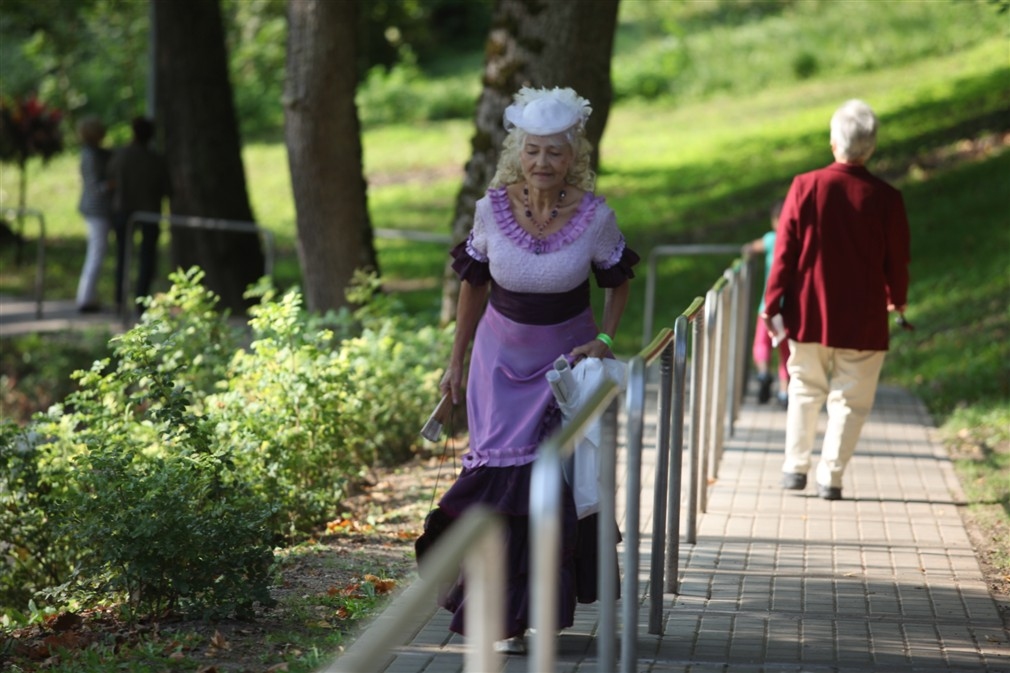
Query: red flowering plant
{"points": [[28, 129]]}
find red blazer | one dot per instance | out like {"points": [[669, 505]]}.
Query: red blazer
{"points": [[841, 255]]}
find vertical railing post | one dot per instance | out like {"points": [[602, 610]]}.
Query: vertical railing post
{"points": [[708, 392], [606, 637], [744, 336], [676, 456], [545, 524], [484, 618], [721, 378], [635, 409], [126, 310], [736, 337], [694, 458], [659, 493]]}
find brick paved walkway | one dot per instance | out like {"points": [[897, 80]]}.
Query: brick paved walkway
{"points": [[884, 581]]}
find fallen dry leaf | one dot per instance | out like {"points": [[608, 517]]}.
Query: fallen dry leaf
{"points": [[219, 641], [381, 586]]}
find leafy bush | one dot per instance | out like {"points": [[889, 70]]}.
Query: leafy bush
{"points": [[33, 553], [309, 412], [153, 502], [403, 94], [179, 461]]}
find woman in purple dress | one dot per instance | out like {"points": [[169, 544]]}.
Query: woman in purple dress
{"points": [[539, 233]]}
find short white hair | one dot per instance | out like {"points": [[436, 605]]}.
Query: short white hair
{"points": [[854, 130]]}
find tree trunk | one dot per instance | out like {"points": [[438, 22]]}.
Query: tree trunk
{"points": [[324, 150], [566, 43], [202, 146]]}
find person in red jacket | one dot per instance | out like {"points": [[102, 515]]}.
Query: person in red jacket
{"points": [[840, 264]]}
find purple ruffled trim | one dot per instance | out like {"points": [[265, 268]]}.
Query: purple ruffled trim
{"points": [[474, 271], [620, 271], [509, 226]]}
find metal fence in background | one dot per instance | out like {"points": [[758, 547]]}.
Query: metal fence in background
{"points": [[19, 215], [189, 222]]}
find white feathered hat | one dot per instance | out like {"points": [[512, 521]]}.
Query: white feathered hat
{"points": [[544, 112]]}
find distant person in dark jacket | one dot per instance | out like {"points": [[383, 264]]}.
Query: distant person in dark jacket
{"points": [[840, 264], [140, 183], [94, 206]]}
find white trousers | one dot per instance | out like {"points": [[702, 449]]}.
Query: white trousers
{"points": [[98, 243], [846, 380]]}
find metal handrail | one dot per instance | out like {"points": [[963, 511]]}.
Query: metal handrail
{"points": [[477, 540], [545, 533], [413, 235], [670, 347], [667, 251], [40, 253], [191, 222]]}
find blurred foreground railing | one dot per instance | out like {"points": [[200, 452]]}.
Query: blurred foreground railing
{"points": [[477, 540]]}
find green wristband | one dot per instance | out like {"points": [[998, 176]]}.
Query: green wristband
{"points": [[605, 338]]}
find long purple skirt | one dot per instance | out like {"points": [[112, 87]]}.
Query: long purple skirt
{"points": [[511, 411]]}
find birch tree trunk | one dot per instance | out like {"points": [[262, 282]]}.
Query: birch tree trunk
{"points": [[566, 43], [323, 138]]}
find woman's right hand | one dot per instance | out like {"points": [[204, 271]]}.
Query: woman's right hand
{"points": [[452, 382]]}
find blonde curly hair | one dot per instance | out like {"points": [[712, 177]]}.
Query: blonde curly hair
{"points": [[510, 171]]}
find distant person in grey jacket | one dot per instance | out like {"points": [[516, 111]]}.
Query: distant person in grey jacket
{"points": [[95, 206], [139, 178]]}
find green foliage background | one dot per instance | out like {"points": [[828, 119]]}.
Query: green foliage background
{"points": [[719, 105]]}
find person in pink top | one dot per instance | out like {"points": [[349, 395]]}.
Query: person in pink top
{"points": [[840, 264], [539, 234]]}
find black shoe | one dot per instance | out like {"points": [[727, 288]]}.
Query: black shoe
{"points": [[765, 389], [89, 308], [829, 492], [794, 481]]}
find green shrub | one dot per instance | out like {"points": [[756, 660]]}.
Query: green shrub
{"points": [[166, 477], [153, 502], [309, 412], [403, 94], [281, 411], [394, 367], [33, 553], [193, 340]]}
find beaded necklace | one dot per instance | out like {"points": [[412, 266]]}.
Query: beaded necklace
{"points": [[541, 228]]}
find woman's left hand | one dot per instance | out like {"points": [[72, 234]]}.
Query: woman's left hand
{"points": [[590, 349]]}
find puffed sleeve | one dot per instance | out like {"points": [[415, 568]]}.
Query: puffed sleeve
{"points": [[612, 259], [470, 261]]}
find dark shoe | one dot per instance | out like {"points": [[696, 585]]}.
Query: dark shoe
{"points": [[829, 492], [764, 389], [783, 399], [794, 481], [89, 308]]}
